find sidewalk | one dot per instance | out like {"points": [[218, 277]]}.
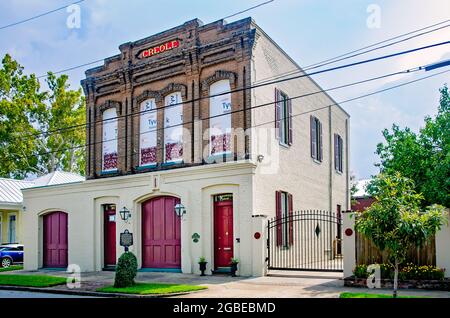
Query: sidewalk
{"points": [[281, 284]]}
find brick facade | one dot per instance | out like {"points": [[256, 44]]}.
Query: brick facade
{"points": [[205, 54]]}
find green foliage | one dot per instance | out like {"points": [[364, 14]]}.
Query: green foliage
{"points": [[408, 272], [423, 157], [152, 288], [26, 111], [126, 270], [202, 259], [31, 280], [395, 222], [234, 261]]}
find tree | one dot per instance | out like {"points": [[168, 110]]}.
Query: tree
{"points": [[64, 149], [20, 102], [423, 157], [395, 222], [34, 138]]}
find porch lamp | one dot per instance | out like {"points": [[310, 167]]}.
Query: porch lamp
{"points": [[180, 210], [125, 214]]}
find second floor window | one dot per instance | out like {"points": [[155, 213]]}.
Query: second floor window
{"points": [[283, 118], [173, 128], [148, 133], [338, 153], [316, 139], [220, 118], [109, 140]]}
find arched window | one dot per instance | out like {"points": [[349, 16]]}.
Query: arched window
{"points": [[220, 121], [109, 140], [173, 128], [147, 133]]}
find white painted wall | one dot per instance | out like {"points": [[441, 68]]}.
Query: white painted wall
{"points": [[194, 186]]}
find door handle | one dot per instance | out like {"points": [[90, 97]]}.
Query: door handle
{"points": [[227, 248]]}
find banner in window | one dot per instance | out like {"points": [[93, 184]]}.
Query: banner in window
{"points": [[148, 132], [173, 128], [220, 121], [110, 155]]}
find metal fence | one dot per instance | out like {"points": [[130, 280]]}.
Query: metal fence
{"points": [[308, 240]]}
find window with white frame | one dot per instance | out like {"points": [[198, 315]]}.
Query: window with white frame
{"points": [[12, 228], [338, 153], [316, 139], [283, 118]]}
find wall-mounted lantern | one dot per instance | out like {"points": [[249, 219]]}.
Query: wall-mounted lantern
{"points": [[180, 210], [125, 214]]}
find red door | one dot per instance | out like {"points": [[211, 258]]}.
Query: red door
{"points": [[55, 240], [161, 233], [223, 233], [109, 224]]}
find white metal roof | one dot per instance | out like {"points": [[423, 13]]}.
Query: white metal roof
{"points": [[10, 189], [57, 177]]}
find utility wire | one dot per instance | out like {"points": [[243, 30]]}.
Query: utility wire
{"points": [[246, 10], [39, 15], [348, 56], [272, 102], [293, 71], [101, 60], [247, 88]]}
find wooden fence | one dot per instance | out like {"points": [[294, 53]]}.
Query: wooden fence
{"points": [[368, 253]]}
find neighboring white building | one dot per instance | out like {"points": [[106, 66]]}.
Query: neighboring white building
{"points": [[11, 201], [291, 155]]}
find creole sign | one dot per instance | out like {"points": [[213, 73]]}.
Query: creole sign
{"points": [[160, 48]]}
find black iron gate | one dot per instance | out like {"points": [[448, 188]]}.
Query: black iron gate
{"points": [[305, 240]]}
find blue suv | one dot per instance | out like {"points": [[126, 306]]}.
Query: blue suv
{"points": [[11, 254]]}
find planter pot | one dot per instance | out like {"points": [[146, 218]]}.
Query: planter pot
{"points": [[233, 269], [202, 268]]}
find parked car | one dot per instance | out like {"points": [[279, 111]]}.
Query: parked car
{"points": [[11, 254]]}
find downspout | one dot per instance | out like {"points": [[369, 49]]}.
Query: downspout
{"points": [[347, 163]]}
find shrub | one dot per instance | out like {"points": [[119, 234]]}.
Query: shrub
{"points": [[407, 272], [126, 270]]}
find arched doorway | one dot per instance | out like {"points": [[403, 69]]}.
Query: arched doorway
{"points": [[55, 240], [161, 233]]}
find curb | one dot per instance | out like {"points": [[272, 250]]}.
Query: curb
{"points": [[87, 293]]}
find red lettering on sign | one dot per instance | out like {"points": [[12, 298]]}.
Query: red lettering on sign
{"points": [[160, 48]]}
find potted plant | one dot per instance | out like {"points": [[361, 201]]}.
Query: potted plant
{"points": [[202, 262], [234, 263]]}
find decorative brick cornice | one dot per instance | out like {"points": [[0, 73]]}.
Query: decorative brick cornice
{"points": [[144, 96], [110, 104], [217, 76], [174, 87]]}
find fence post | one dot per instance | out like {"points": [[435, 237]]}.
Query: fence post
{"points": [[259, 248], [349, 242], [442, 249]]}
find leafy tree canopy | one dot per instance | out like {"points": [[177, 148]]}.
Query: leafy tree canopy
{"points": [[423, 157], [26, 115]]}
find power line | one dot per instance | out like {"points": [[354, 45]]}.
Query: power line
{"points": [[348, 56], [101, 60], [246, 10], [271, 103], [249, 87], [290, 72], [39, 15]]}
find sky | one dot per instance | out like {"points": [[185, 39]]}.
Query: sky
{"points": [[310, 31]]}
